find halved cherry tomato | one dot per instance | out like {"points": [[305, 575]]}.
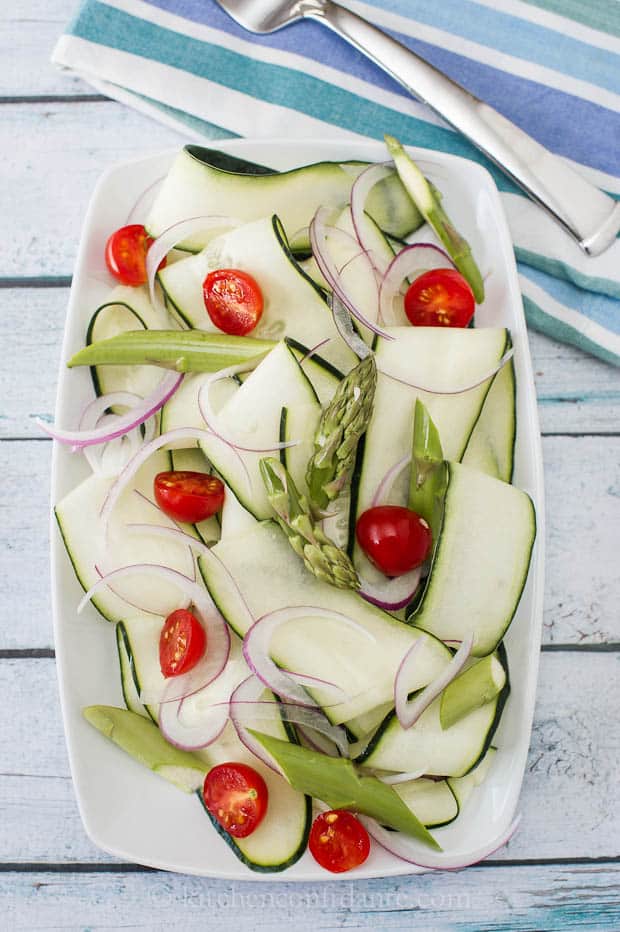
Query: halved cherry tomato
{"points": [[395, 539], [440, 298], [338, 841], [188, 496], [182, 643], [125, 254], [233, 300], [237, 796]]}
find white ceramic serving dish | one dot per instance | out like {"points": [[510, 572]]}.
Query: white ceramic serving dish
{"points": [[130, 812]]}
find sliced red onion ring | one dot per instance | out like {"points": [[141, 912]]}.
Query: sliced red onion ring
{"points": [[318, 238], [394, 778], [385, 486], [218, 636], [169, 238], [118, 487], [192, 737], [123, 422], [408, 712], [140, 205], [242, 701], [361, 188], [392, 594], [407, 849], [453, 391], [257, 642], [342, 320], [210, 417], [107, 460], [318, 742], [409, 263]]}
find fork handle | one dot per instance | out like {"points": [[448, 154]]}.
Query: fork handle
{"points": [[586, 213]]}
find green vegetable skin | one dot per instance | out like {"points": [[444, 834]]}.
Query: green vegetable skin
{"points": [[428, 482], [335, 781], [142, 739], [181, 350], [428, 200], [471, 690]]}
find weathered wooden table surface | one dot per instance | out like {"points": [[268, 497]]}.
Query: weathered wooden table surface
{"points": [[559, 872]]}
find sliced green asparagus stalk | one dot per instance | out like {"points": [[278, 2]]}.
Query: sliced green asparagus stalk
{"points": [[143, 740], [428, 481], [428, 199], [342, 423], [471, 690], [337, 782], [294, 515], [181, 350]]}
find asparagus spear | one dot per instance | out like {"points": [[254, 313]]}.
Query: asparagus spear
{"points": [[428, 199], [342, 423], [182, 350], [294, 515], [428, 471]]}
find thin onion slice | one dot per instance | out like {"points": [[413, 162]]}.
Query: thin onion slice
{"points": [[257, 642], [141, 204], [243, 699], [360, 190], [101, 572], [392, 779], [123, 422], [342, 320], [218, 637], [318, 238], [318, 742], [392, 594], [314, 349], [453, 391], [407, 849], [174, 234], [192, 737], [385, 485], [408, 712], [210, 417], [410, 262]]}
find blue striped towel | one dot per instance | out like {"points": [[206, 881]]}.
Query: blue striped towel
{"points": [[551, 66]]}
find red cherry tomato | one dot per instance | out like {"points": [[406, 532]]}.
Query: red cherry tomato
{"points": [[338, 841], [125, 254], [188, 496], [237, 796], [233, 300], [395, 539], [182, 643], [440, 298]]}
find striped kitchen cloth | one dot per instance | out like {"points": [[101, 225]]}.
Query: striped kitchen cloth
{"points": [[551, 66]]}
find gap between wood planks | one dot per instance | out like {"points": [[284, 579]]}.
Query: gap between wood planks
{"points": [[82, 867]]}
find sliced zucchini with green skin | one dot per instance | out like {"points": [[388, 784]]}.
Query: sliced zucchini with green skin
{"points": [[480, 562], [293, 305], [298, 424], [252, 418], [129, 682], [323, 376], [364, 725], [449, 752], [142, 739], [78, 516], [126, 309], [491, 445], [206, 182], [140, 639], [463, 787], [433, 801], [270, 576], [442, 358]]}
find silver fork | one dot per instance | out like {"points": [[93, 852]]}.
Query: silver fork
{"points": [[591, 217]]}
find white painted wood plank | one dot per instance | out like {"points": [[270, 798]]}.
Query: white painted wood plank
{"points": [[583, 514], [577, 394], [53, 155], [28, 32], [569, 803], [517, 899]]}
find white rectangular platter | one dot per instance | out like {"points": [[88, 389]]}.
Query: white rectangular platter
{"points": [[130, 812]]}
